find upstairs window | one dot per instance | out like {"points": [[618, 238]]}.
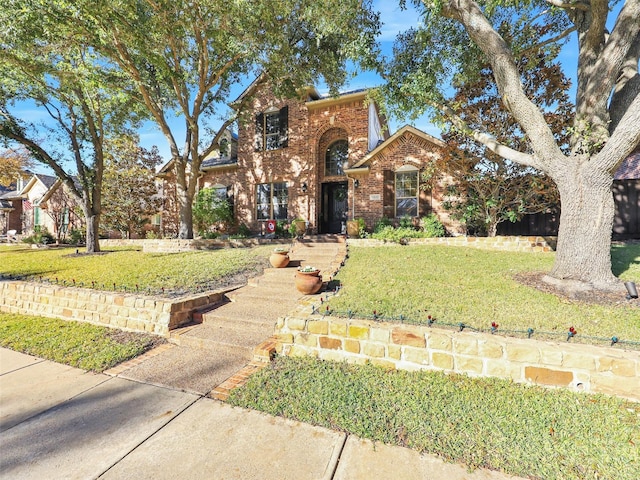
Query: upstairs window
{"points": [[336, 158], [272, 128], [224, 148]]}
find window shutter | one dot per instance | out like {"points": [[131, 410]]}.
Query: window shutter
{"points": [[388, 194], [230, 198], [259, 132], [284, 127]]}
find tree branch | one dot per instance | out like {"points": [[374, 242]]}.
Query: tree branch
{"points": [[599, 64], [569, 6], [627, 86], [488, 140], [558, 37], [10, 128], [507, 78], [625, 139]]}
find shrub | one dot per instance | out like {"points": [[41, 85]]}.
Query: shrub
{"points": [[283, 229], [77, 236], [398, 235], [243, 231], [362, 228], [40, 236], [431, 226], [210, 209], [406, 222], [381, 224]]}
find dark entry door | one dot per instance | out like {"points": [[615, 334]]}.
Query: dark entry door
{"points": [[334, 207]]}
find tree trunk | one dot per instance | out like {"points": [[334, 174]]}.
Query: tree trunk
{"points": [[186, 220], [93, 243], [492, 228], [586, 222]]}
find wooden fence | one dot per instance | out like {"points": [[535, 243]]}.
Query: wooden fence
{"points": [[626, 223]]}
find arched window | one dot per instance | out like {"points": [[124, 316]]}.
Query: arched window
{"points": [[336, 158]]}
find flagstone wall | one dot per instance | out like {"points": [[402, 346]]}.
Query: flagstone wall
{"points": [[115, 309], [507, 243], [575, 366]]}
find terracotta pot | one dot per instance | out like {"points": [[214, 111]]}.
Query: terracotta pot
{"points": [[308, 282], [279, 260]]}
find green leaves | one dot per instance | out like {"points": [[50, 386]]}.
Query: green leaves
{"points": [[481, 422], [80, 345]]}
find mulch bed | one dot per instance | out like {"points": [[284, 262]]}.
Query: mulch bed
{"points": [[535, 280]]}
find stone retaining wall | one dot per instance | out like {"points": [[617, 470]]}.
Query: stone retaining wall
{"points": [[175, 245], [579, 367], [512, 243], [115, 309]]}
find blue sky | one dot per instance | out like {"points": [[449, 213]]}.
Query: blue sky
{"points": [[394, 20]]}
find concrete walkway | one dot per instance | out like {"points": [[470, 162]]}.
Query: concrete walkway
{"points": [[154, 417], [206, 354], [58, 422]]}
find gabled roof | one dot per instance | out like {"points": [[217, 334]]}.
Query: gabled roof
{"points": [[56, 185], [47, 180], [9, 192], [162, 172], [346, 97], [406, 130], [262, 79], [218, 163], [630, 168]]}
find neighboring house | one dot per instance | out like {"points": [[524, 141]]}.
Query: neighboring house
{"points": [[47, 204], [322, 159], [626, 194], [11, 208]]}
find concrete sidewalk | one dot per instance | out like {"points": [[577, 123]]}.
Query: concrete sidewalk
{"points": [[58, 422]]}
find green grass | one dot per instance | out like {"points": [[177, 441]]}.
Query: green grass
{"points": [[492, 423], [133, 269], [78, 344], [477, 287]]}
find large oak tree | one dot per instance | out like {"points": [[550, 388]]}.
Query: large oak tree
{"points": [[185, 57], [60, 101], [457, 37]]}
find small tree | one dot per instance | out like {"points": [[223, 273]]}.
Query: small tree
{"points": [[489, 189], [82, 98], [130, 196], [13, 163], [211, 207], [63, 210]]}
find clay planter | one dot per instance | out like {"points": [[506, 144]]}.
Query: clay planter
{"points": [[279, 259], [308, 283]]}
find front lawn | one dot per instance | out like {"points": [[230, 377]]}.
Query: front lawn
{"points": [[78, 344], [493, 423], [131, 269], [478, 287]]}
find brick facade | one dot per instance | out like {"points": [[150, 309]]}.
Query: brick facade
{"points": [[314, 124]]}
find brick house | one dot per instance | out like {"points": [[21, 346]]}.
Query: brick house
{"points": [[11, 208], [325, 160], [47, 205]]}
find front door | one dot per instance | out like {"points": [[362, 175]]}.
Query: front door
{"points": [[333, 217]]}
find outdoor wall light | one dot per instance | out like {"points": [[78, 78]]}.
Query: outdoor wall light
{"points": [[356, 183], [304, 187], [631, 289]]}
